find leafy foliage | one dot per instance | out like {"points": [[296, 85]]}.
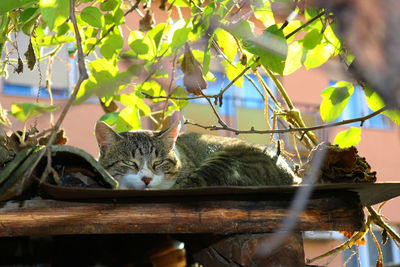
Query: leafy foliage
{"points": [[212, 32]]}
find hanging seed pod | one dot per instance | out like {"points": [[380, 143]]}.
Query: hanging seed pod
{"points": [[30, 56], [193, 78], [147, 22], [20, 67]]}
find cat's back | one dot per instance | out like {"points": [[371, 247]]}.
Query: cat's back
{"points": [[196, 147]]}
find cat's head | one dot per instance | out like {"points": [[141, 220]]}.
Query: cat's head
{"points": [[139, 159]]}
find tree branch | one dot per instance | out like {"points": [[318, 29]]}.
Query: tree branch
{"points": [[83, 75], [299, 129]]}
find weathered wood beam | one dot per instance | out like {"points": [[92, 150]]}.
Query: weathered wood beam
{"points": [[184, 215]]}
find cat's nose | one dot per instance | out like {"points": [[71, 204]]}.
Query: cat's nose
{"points": [[146, 180]]}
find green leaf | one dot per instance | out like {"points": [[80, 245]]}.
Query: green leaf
{"points": [[152, 88], [243, 29], [52, 40], [312, 39], [103, 80], [335, 99], [109, 5], [25, 111], [232, 72], [133, 100], [92, 16], [263, 12], [28, 14], [375, 102], [181, 93], [348, 138], [143, 46], [54, 12], [179, 32], [112, 44], [8, 5], [294, 58], [156, 33], [319, 55], [128, 119], [227, 43], [110, 118], [272, 49], [119, 16]]}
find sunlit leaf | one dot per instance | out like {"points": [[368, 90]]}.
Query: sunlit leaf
{"points": [[142, 45], [312, 39], [128, 119], [8, 5], [92, 16], [375, 102], [294, 57], [112, 45], [152, 88], [178, 33], [110, 118], [181, 93], [54, 12], [103, 79], [232, 72], [227, 43], [263, 12], [348, 138], [109, 5], [317, 56], [25, 111], [52, 40], [335, 99]]}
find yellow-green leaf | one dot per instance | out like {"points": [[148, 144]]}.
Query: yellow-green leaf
{"points": [[348, 138], [335, 99], [25, 111]]}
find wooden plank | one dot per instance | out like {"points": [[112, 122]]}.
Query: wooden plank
{"points": [[184, 215]]}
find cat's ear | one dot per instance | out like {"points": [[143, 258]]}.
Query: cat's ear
{"points": [[170, 134], [105, 135]]}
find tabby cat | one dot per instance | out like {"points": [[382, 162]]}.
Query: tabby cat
{"points": [[145, 159]]}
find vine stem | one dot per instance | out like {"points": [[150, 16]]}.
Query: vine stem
{"points": [[83, 75]]}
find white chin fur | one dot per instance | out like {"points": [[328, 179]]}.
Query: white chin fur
{"points": [[132, 181]]}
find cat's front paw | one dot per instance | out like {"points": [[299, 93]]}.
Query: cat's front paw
{"points": [[189, 182]]}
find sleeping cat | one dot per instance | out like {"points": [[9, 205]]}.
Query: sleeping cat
{"points": [[145, 159]]}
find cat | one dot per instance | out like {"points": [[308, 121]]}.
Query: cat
{"points": [[144, 159]]}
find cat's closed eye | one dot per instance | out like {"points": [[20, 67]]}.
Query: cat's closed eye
{"points": [[157, 163], [130, 164]]}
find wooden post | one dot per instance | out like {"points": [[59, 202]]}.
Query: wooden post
{"points": [[249, 250]]}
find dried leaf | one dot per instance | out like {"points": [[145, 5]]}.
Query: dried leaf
{"points": [[193, 78], [59, 140], [339, 165], [384, 236], [20, 67], [147, 22], [30, 56]]}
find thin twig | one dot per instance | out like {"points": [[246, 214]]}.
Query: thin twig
{"points": [[305, 24], [299, 129], [220, 121]]}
